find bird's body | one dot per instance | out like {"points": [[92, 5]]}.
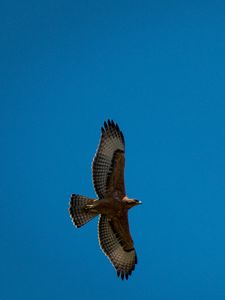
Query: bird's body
{"points": [[112, 205]]}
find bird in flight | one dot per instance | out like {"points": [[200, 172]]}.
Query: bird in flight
{"points": [[112, 204]]}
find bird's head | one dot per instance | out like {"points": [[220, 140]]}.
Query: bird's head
{"points": [[131, 202]]}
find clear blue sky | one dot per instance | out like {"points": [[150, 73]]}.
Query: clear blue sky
{"points": [[158, 69]]}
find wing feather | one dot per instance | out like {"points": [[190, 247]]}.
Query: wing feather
{"points": [[114, 245], [108, 163]]}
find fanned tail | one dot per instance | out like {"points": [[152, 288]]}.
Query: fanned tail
{"points": [[78, 213]]}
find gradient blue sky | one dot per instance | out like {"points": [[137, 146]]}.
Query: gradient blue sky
{"points": [[158, 69]]}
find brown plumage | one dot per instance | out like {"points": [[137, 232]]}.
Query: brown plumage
{"points": [[113, 204]]}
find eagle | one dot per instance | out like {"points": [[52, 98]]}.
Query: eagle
{"points": [[112, 204]]}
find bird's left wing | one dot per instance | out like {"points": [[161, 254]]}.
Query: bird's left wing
{"points": [[109, 161], [117, 244]]}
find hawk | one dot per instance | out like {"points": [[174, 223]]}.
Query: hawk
{"points": [[112, 204]]}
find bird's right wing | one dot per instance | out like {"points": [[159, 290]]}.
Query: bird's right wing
{"points": [[109, 161], [117, 244]]}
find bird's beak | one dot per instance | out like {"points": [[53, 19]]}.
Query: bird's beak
{"points": [[138, 202]]}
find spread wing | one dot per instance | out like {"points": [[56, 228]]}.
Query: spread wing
{"points": [[109, 161], [117, 244]]}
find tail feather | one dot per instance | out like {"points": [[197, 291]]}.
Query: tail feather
{"points": [[78, 214]]}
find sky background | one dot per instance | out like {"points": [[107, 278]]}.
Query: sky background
{"points": [[157, 68]]}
